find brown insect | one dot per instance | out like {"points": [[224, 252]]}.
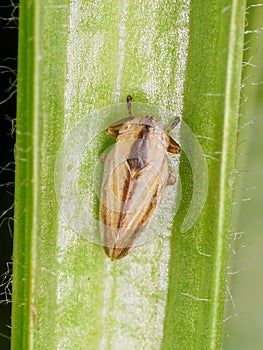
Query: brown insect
{"points": [[135, 175]]}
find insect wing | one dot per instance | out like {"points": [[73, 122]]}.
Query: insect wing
{"points": [[129, 199]]}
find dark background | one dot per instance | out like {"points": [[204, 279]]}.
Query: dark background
{"points": [[8, 65]]}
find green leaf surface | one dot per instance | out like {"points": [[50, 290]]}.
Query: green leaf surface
{"points": [[78, 60]]}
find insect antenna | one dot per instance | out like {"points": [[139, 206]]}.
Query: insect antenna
{"points": [[173, 125], [129, 106]]}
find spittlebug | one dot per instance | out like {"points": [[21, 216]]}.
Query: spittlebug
{"points": [[135, 175]]}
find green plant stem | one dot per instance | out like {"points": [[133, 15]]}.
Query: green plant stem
{"points": [[75, 58]]}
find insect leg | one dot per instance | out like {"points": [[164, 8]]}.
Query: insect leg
{"points": [[112, 129], [103, 157], [173, 146], [171, 179]]}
